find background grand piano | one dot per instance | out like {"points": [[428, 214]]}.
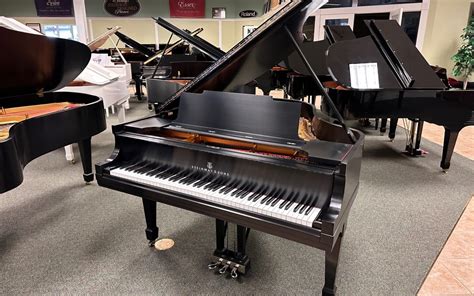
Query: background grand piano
{"points": [[34, 120]]}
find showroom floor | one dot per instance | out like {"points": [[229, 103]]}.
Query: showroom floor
{"points": [[453, 271]]}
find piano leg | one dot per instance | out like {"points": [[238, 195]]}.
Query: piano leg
{"points": [[86, 159], [150, 217], [383, 126], [221, 227], [450, 138], [332, 259], [393, 128]]}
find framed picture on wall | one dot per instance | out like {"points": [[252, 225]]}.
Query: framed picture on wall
{"points": [[247, 30], [35, 26]]}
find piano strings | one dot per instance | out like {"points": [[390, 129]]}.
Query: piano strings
{"points": [[10, 116], [245, 146]]}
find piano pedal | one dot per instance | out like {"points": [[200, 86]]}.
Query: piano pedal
{"points": [[227, 261]]}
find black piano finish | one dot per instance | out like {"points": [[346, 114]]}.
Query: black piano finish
{"points": [[213, 125], [409, 88], [32, 65]]}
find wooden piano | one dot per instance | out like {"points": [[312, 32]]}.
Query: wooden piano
{"points": [[33, 119], [261, 163]]}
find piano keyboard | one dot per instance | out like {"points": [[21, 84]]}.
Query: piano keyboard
{"points": [[278, 203]]}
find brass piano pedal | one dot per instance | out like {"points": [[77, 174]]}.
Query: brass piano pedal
{"points": [[214, 265], [224, 268], [234, 273]]}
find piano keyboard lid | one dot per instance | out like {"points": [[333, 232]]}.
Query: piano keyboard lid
{"points": [[254, 55], [33, 63], [385, 59]]}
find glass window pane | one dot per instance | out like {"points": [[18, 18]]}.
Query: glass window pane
{"points": [[383, 2], [337, 22], [338, 3], [410, 24], [308, 28]]}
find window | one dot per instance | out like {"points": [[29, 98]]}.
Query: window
{"points": [[308, 28], [410, 24], [61, 31], [337, 22], [338, 3], [383, 2]]}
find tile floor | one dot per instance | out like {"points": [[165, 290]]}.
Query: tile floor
{"points": [[453, 271]]}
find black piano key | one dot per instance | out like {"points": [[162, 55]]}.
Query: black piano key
{"points": [[204, 181], [301, 203], [256, 192], [132, 167], [264, 190], [246, 190], [312, 205], [219, 183], [228, 185], [213, 183], [239, 188], [279, 198], [273, 197], [155, 170], [192, 178], [188, 173], [268, 195], [179, 175], [294, 199], [287, 199], [231, 187]]}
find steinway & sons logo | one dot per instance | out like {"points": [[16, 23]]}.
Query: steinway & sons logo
{"points": [[210, 169], [122, 7]]}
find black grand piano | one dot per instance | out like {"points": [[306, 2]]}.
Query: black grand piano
{"points": [[173, 72], [34, 120], [405, 85], [173, 62], [262, 163]]}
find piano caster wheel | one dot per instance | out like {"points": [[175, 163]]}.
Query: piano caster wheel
{"points": [[73, 161], [151, 243], [88, 178], [234, 273], [223, 269]]}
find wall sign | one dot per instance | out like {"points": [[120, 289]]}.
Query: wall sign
{"points": [[54, 7], [122, 7], [187, 8], [248, 13]]}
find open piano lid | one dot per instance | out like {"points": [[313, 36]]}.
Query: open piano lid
{"points": [[49, 65], [204, 46], [399, 63], [254, 55], [135, 45]]}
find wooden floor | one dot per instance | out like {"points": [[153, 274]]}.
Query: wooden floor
{"points": [[453, 271]]}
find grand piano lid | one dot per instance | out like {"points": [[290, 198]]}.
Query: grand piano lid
{"points": [[32, 63], [387, 59], [135, 45], [338, 33], [204, 46], [265, 47]]}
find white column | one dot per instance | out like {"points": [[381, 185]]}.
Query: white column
{"points": [[220, 34], [81, 20]]}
